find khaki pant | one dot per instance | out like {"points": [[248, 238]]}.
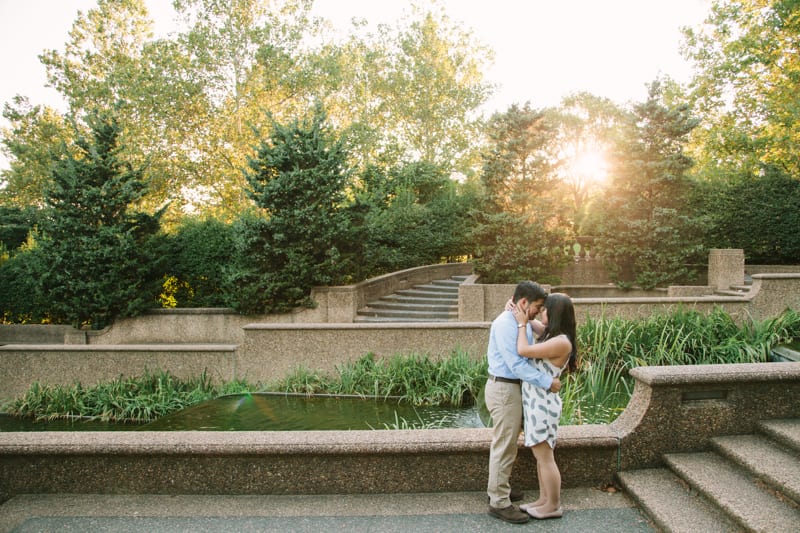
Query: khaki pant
{"points": [[504, 402]]}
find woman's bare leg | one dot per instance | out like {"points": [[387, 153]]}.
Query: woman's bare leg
{"points": [[542, 499], [549, 478]]}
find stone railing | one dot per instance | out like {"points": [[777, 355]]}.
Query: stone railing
{"points": [[673, 409]]}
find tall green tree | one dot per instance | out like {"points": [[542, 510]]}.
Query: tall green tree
{"points": [[297, 179], [757, 213], [408, 216], [97, 254], [435, 90], [747, 77], [522, 228], [586, 129], [35, 133], [251, 62], [646, 231], [411, 92]]}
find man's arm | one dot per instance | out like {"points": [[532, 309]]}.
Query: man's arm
{"points": [[506, 338]]}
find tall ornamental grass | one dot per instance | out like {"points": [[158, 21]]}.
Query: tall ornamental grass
{"points": [[610, 347], [134, 399], [455, 380]]}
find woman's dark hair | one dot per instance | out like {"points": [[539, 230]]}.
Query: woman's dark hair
{"points": [[561, 321]]}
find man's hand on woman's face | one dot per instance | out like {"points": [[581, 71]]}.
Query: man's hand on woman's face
{"points": [[521, 315]]}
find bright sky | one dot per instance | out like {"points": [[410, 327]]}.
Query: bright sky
{"points": [[544, 49]]}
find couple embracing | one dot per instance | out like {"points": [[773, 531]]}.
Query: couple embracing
{"points": [[526, 357]]}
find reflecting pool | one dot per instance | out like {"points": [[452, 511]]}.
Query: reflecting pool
{"points": [[279, 412]]}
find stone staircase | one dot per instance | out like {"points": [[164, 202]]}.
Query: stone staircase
{"points": [[436, 301], [745, 483]]}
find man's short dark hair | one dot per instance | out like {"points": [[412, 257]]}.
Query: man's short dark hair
{"points": [[529, 290]]}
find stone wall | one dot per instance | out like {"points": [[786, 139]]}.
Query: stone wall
{"points": [[266, 352], [54, 364], [673, 410]]}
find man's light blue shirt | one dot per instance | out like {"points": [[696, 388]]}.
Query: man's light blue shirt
{"points": [[504, 361]]}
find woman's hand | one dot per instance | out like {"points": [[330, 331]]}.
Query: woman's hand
{"points": [[510, 305]]}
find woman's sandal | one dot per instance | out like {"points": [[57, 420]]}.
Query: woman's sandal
{"points": [[535, 513]]}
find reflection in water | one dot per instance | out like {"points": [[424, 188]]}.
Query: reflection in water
{"points": [[277, 412]]}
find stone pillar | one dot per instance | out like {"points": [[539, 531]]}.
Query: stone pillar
{"points": [[725, 268]]}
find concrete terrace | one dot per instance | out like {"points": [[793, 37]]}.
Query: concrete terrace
{"points": [[701, 448]]}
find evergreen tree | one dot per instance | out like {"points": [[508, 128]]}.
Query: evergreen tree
{"points": [[522, 230], [97, 256], [646, 231], [297, 180]]}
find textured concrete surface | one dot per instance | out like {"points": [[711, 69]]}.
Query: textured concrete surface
{"points": [[588, 510]]}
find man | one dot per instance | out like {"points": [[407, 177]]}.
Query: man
{"points": [[507, 369]]}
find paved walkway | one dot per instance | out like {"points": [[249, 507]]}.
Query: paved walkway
{"points": [[586, 510]]}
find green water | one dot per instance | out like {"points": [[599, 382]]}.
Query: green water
{"points": [[277, 412]]}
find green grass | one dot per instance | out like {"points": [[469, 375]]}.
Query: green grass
{"points": [[596, 394]]}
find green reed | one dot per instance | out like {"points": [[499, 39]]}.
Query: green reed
{"points": [[453, 380], [132, 399]]}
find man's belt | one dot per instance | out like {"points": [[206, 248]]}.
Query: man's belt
{"points": [[504, 380]]}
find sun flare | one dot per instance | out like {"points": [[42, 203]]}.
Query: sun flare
{"points": [[590, 165]]}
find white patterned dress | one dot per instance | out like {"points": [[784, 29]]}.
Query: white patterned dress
{"points": [[541, 408]]}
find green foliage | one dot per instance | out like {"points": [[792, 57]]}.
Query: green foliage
{"points": [[757, 213], [418, 379], [98, 256], [521, 230], [20, 302], [610, 347], [297, 180], [189, 99], [595, 394], [199, 251], [408, 216], [15, 225], [33, 135], [133, 399], [647, 234], [745, 86]]}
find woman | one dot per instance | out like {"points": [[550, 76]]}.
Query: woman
{"points": [[553, 353]]}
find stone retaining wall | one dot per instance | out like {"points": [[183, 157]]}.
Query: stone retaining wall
{"points": [[267, 352], [673, 409]]}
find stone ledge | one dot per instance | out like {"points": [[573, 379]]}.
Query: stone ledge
{"points": [[120, 347], [670, 412]]}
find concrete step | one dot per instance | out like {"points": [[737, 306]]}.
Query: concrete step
{"points": [[399, 298], [381, 318], [451, 283], [435, 288], [419, 293], [784, 431], [436, 301], [403, 314], [401, 306], [735, 492], [779, 468], [672, 505]]}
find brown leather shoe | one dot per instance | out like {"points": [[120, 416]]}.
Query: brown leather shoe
{"points": [[510, 514]]}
